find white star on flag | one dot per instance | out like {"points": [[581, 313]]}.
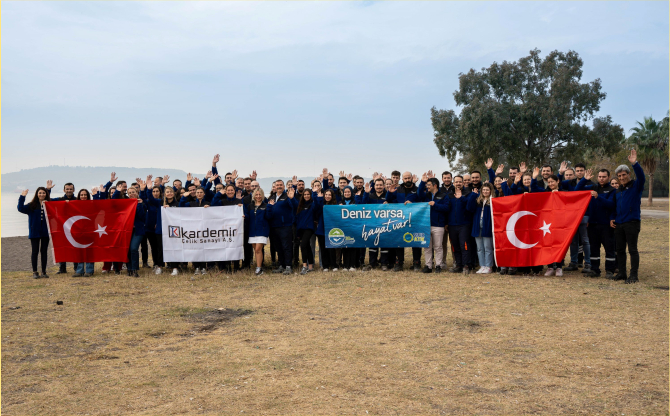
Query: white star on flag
{"points": [[545, 228], [101, 230]]}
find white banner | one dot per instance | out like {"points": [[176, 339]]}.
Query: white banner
{"points": [[203, 234]]}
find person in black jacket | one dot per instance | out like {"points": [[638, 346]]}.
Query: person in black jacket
{"points": [[407, 193]]}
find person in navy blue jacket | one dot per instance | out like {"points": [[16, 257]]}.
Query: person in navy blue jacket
{"points": [[38, 232], [258, 213], [229, 196], [133, 264], [460, 228], [379, 195], [168, 200], [350, 255], [479, 202], [627, 221], [198, 201], [438, 199], [326, 255], [580, 247], [153, 197], [407, 193], [281, 226], [601, 210], [305, 220]]}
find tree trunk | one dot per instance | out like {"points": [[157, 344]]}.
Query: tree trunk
{"points": [[651, 189]]}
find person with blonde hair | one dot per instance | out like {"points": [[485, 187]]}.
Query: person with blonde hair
{"points": [[257, 215], [479, 202]]}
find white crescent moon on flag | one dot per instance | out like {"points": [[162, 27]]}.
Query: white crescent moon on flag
{"points": [[511, 233], [67, 228]]}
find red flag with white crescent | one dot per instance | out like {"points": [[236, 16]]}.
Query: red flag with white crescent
{"points": [[536, 229], [90, 231]]}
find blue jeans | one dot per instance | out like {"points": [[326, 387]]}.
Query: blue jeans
{"points": [[485, 251], [134, 252], [79, 268], [582, 235]]}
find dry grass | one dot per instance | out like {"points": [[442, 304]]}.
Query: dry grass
{"points": [[382, 343], [658, 204]]}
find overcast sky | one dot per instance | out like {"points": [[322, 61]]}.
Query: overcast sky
{"points": [[290, 87]]}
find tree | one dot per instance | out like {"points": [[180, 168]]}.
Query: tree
{"points": [[533, 110], [651, 140]]}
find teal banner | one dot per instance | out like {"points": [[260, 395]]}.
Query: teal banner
{"points": [[383, 225]]}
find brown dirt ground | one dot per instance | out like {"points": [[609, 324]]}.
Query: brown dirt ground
{"points": [[351, 343], [16, 255], [658, 204]]}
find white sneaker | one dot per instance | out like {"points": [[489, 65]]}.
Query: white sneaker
{"points": [[487, 270], [352, 269], [325, 270], [104, 271], [335, 269], [175, 272], [559, 272], [197, 271], [203, 271], [550, 272], [123, 267], [481, 270], [158, 270]]}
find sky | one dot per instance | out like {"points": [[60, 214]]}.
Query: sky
{"points": [[290, 87]]}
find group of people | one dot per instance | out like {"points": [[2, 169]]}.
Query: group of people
{"points": [[290, 218]]}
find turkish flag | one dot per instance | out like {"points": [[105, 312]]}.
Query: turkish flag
{"points": [[90, 231], [536, 229]]}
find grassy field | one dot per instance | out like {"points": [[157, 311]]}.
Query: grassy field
{"points": [[354, 343]]}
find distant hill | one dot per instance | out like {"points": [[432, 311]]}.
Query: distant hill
{"points": [[90, 176], [81, 176]]}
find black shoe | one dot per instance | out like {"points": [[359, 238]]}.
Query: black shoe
{"points": [[571, 267], [466, 269], [117, 272], [77, 275], [44, 275], [609, 275], [426, 269], [135, 274], [36, 275], [416, 267], [456, 269], [503, 270], [512, 271], [88, 274], [145, 266], [591, 273], [397, 268], [587, 268], [129, 273], [438, 269], [61, 271], [279, 269], [620, 277], [631, 279]]}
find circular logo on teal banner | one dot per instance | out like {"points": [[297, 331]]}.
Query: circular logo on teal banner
{"points": [[336, 237]]}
